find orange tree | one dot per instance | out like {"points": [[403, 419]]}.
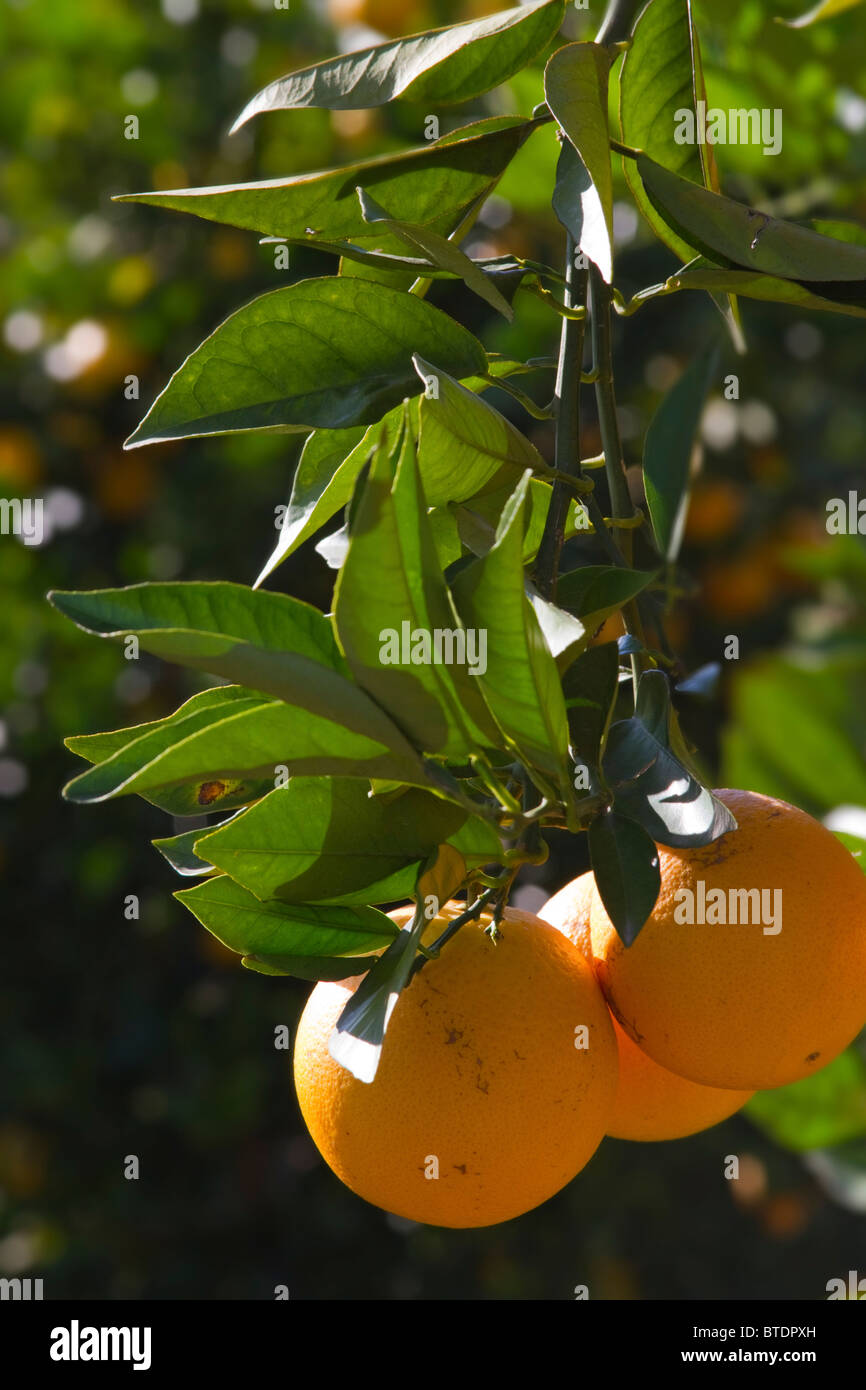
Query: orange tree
{"points": [[420, 740]]}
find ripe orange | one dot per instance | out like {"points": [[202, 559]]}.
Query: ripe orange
{"points": [[745, 1006], [654, 1103], [610, 631], [483, 1105], [651, 1102]]}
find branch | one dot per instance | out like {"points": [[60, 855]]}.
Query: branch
{"points": [[567, 405]]}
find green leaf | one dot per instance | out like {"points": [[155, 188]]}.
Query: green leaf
{"points": [[307, 940], [751, 285], [661, 76], [435, 184], [328, 840], [333, 352], [625, 863], [590, 687], [564, 634], [179, 850], [824, 1109], [651, 785], [668, 448], [443, 66], [264, 641], [96, 747], [826, 9], [444, 254], [594, 593], [478, 519], [281, 646], [521, 683], [250, 740], [733, 234], [466, 448], [325, 480], [390, 604], [575, 84]]}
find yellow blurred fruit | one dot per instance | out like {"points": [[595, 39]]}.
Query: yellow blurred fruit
{"points": [[744, 586], [484, 1105], [390, 17], [715, 510], [745, 1004], [19, 455]]}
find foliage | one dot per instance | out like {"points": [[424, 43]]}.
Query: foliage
{"points": [[427, 556]]}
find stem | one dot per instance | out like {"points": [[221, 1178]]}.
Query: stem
{"points": [[453, 928], [617, 22], [567, 407], [605, 396], [601, 300]]}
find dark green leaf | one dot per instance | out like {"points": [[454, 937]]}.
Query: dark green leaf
{"points": [[564, 634], [751, 285], [735, 235], [179, 850], [263, 641], [521, 683], [625, 863], [661, 76], [466, 448], [234, 752], [295, 940], [444, 254], [435, 184], [96, 747], [392, 607], [328, 840], [651, 785], [575, 84], [331, 352], [590, 688], [325, 480], [668, 448], [444, 66], [595, 592]]}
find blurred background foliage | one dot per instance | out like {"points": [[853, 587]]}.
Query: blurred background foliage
{"points": [[141, 1036]]}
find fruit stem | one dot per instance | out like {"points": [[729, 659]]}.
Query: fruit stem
{"points": [[471, 914]]}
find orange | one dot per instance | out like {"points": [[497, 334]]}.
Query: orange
{"points": [[483, 1105], [610, 631], [749, 1005], [651, 1102]]}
